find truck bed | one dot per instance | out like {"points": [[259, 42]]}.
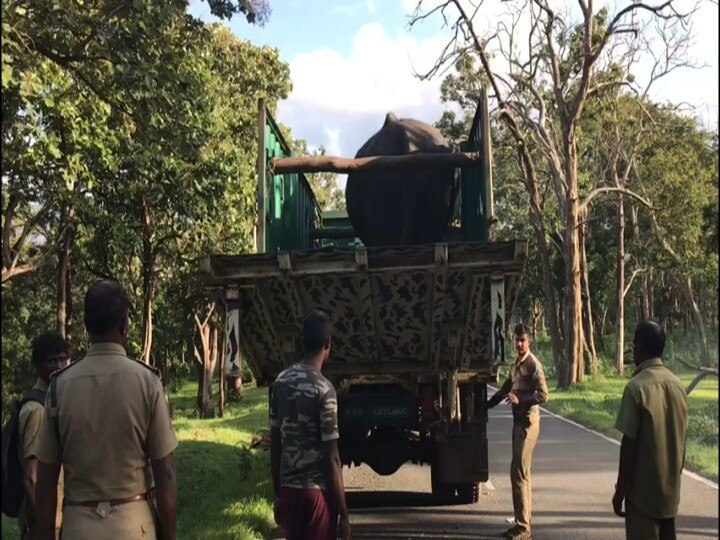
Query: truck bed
{"points": [[394, 310]]}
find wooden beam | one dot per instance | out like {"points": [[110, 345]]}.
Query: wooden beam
{"points": [[419, 160]]}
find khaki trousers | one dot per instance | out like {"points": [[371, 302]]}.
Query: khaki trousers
{"points": [[639, 526], [525, 435], [131, 521]]}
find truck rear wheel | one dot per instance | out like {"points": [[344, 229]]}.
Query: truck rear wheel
{"points": [[468, 493], [443, 493]]}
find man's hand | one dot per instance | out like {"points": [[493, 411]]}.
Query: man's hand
{"points": [[344, 527], [617, 502], [278, 513], [512, 398]]}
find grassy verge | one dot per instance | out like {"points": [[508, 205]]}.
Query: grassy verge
{"points": [[595, 404], [224, 491]]}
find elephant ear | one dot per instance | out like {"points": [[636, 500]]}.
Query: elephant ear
{"points": [[390, 118]]}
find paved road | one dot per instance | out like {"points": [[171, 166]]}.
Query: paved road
{"points": [[573, 477]]}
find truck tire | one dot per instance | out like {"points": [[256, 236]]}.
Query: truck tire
{"points": [[443, 493], [468, 493]]}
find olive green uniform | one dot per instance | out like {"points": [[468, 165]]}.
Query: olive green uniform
{"points": [[112, 419], [29, 421], [527, 381], [654, 413]]}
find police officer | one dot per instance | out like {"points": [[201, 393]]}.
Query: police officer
{"points": [[525, 388], [106, 422], [653, 419]]}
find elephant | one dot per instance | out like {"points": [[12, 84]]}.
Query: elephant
{"points": [[402, 207]]}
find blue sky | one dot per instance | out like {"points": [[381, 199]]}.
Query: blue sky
{"points": [[352, 61]]}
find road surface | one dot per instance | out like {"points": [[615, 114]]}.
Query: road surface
{"points": [[574, 471]]}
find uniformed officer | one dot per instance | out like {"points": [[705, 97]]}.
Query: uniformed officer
{"points": [[526, 389], [49, 353], [653, 419], [106, 422]]}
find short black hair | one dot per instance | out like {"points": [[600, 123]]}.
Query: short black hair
{"points": [[48, 344], [521, 329], [316, 332], [651, 336], [106, 303]]}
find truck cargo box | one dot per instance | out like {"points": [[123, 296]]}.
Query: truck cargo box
{"points": [[394, 310]]}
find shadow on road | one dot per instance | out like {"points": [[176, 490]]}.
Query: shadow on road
{"points": [[388, 499]]}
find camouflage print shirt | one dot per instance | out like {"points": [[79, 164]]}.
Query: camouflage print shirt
{"points": [[304, 406]]}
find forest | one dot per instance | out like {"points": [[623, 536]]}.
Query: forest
{"points": [[129, 150]]}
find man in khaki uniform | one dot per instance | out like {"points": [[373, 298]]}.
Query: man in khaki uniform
{"points": [[526, 389], [49, 353], [653, 419], [106, 422]]}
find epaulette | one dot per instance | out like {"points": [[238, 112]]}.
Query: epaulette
{"points": [[61, 370], [148, 366]]}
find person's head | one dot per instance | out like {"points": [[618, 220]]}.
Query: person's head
{"points": [[316, 336], [648, 342], [522, 339], [49, 353], [107, 311]]}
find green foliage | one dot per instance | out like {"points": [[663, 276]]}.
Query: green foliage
{"points": [[216, 476], [132, 126]]}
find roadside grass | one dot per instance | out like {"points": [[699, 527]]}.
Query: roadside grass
{"points": [[595, 402], [224, 489]]}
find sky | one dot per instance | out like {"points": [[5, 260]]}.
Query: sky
{"points": [[353, 61]]}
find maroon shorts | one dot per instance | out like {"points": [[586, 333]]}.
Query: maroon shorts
{"points": [[308, 514]]}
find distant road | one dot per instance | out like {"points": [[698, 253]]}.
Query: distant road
{"points": [[574, 472]]}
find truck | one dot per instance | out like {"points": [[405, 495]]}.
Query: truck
{"points": [[418, 330]]}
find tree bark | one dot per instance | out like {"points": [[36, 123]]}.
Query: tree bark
{"points": [[588, 330], [620, 289], [571, 247], [148, 275], [221, 369], [699, 321], [64, 280]]}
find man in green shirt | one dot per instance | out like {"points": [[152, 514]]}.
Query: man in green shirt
{"points": [[653, 419]]}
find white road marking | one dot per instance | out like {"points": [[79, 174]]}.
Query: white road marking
{"points": [[690, 474]]}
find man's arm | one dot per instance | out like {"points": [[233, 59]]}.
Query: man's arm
{"points": [[165, 495], [628, 451], [275, 453], [498, 396], [29, 482], [337, 487], [46, 500], [627, 423]]}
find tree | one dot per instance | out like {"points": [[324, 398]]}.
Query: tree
{"points": [[541, 95]]}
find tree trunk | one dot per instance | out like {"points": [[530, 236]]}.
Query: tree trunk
{"points": [[620, 289], [64, 281], [148, 275], [588, 331], [699, 321], [221, 387], [571, 247]]}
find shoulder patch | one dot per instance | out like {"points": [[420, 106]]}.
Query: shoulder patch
{"points": [[148, 366], [62, 370]]}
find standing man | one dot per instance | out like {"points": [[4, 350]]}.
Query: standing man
{"points": [[653, 419], [526, 390], [306, 467], [49, 353], [106, 422]]}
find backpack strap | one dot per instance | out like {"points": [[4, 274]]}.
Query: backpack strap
{"points": [[34, 394]]}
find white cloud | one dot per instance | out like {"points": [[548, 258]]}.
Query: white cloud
{"points": [[339, 101]]}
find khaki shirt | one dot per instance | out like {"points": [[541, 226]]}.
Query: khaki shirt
{"points": [[654, 413], [113, 419], [527, 381], [29, 420]]}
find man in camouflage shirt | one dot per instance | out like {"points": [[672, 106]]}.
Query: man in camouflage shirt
{"points": [[306, 467], [526, 389]]}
